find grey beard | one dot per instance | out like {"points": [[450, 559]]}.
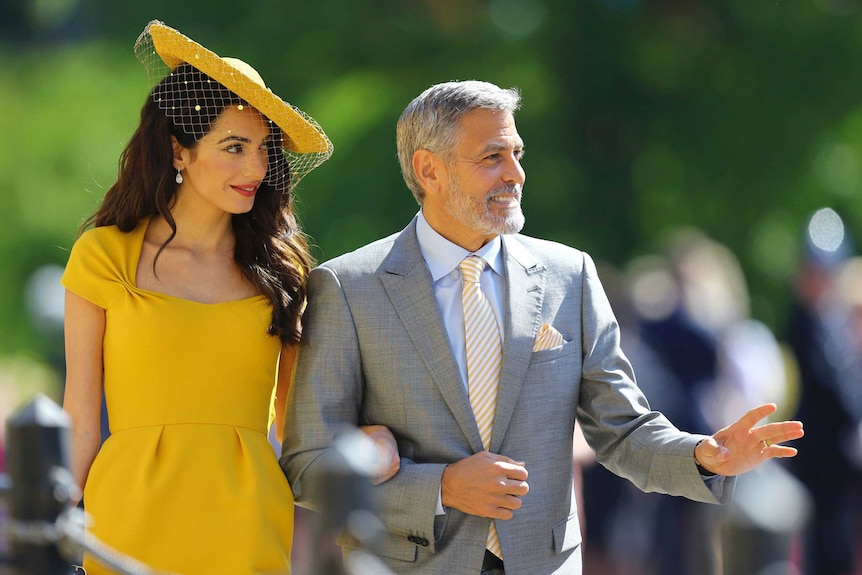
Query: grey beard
{"points": [[477, 214]]}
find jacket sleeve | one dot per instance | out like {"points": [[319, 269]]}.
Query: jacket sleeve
{"points": [[628, 437], [325, 398]]}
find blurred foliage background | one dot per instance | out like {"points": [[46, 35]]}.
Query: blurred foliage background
{"points": [[739, 118]]}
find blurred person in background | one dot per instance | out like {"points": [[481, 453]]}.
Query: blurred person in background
{"points": [[699, 357], [185, 299], [848, 286], [627, 526], [820, 332], [757, 530], [747, 364], [675, 298]]}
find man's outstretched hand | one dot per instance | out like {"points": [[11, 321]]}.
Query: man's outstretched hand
{"points": [[741, 446]]}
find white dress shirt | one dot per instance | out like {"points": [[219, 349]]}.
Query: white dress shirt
{"points": [[442, 258]]}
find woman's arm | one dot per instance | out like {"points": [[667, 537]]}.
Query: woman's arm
{"points": [[388, 461], [82, 400], [286, 363]]}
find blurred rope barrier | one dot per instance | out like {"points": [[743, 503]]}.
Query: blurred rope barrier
{"points": [[47, 535], [69, 536]]}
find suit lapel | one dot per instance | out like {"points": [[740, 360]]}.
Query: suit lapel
{"points": [[408, 285], [525, 287]]}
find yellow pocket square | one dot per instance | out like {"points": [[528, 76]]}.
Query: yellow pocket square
{"points": [[547, 338]]}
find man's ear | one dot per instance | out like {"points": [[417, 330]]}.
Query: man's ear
{"points": [[430, 171]]}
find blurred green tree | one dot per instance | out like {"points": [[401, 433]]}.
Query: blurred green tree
{"points": [[739, 118]]}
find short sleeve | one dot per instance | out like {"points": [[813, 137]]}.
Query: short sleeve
{"points": [[96, 268]]}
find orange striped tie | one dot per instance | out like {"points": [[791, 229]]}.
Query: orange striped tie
{"points": [[484, 360]]}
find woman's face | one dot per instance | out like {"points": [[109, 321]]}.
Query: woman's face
{"points": [[227, 166]]}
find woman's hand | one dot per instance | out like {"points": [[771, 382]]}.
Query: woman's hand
{"points": [[387, 461]]}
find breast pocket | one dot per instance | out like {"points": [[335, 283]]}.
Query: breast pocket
{"points": [[553, 354], [553, 376]]}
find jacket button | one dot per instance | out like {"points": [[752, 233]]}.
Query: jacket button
{"points": [[418, 540]]}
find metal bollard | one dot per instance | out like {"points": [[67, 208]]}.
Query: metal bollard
{"points": [[37, 462], [349, 508]]}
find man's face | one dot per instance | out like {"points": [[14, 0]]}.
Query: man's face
{"points": [[483, 195]]}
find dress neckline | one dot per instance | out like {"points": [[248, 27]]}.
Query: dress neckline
{"points": [[138, 247]]}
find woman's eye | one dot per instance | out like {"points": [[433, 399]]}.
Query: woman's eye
{"points": [[235, 149]]}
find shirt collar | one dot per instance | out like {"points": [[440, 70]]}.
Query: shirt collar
{"points": [[442, 256]]}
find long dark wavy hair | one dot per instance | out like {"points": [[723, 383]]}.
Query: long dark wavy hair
{"points": [[270, 248]]}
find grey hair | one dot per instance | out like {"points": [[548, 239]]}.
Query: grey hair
{"points": [[432, 121]]}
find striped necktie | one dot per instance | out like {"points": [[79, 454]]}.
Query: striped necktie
{"points": [[484, 360]]}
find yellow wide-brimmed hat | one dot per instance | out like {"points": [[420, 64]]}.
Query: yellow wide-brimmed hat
{"points": [[302, 134]]}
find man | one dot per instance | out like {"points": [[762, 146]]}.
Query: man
{"points": [[485, 484], [820, 334]]}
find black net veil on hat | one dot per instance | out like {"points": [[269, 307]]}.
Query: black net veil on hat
{"points": [[192, 85]]}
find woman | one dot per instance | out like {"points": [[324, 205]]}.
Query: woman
{"points": [[185, 299]]}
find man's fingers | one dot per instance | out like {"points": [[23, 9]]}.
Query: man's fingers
{"points": [[781, 451], [773, 433], [503, 458], [501, 513], [512, 502], [504, 507], [519, 488], [513, 469], [513, 472], [755, 414]]}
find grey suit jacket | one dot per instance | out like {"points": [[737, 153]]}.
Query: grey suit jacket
{"points": [[375, 350]]}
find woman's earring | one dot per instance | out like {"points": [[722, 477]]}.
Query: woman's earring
{"points": [[179, 177]]}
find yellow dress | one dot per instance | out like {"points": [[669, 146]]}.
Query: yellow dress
{"points": [[188, 481]]}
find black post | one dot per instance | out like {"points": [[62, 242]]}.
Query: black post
{"points": [[5, 551], [37, 462], [349, 506]]}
